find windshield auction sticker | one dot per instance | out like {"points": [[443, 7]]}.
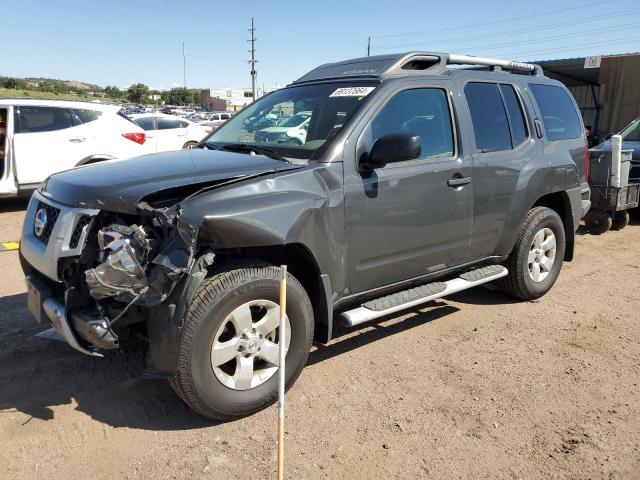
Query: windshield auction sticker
{"points": [[352, 92]]}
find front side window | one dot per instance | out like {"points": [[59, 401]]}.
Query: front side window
{"points": [[423, 112], [42, 119], [559, 115], [146, 123], [297, 121], [488, 116], [167, 123]]}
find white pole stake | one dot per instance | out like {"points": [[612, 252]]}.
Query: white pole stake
{"points": [[282, 345], [616, 153]]}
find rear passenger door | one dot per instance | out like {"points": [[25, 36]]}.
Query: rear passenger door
{"points": [[504, 150], [45, 141]]}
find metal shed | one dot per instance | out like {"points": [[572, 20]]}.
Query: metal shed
{"points": [[606, 88]]}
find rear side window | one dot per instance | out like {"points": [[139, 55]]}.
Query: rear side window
{"points": [[559, 115], [80, 116], [146, 123], [421, 111], [167, 123], [42, 119], [516, 115], [489, 117]]}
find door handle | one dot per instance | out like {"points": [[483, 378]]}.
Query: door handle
{"points": [[457, 182], [77, 140]]}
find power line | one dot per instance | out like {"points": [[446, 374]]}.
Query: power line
{"points": [[494, 46], [511, 19], [569, 48], [624, 13]]}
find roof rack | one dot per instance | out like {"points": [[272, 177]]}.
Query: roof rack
{"points": [[384, 66]]}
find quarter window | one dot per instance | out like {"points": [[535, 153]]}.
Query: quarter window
{"points": [[559, 114], [423, 112], [489, 117], [42, 119], [146, 123]]}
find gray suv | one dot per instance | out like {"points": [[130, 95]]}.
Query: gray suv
{"points": [[420, 175]]}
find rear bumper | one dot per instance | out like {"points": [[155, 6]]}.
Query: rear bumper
{"points": [[580, 200]]}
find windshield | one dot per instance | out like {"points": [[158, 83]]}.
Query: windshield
{"points": [[631, 133], [320, 112]]}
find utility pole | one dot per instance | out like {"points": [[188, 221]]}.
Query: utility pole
{"points": [[369, 47], [253, 60], [184, 67]]}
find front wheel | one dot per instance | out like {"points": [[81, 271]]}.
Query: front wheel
{"points": [[189, 145], [537, 257], [228, 352]]}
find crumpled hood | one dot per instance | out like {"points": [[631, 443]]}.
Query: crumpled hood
{"points": [[118, 185]]}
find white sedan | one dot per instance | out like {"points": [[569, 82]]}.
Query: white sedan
{"points": [[168, 132]]}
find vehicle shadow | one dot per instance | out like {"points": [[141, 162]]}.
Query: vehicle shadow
{"points": [[13, 204], [38, 376]]}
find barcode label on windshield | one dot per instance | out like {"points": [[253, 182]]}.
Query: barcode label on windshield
{"points": [[352, 92]]}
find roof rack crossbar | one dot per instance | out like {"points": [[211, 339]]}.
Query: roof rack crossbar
{"points": [[492, 62]]}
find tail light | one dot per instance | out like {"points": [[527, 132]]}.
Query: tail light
{"points": [[586, 160], [138, 137]]}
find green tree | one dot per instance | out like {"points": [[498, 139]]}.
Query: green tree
{"points": [[113, 91], [137, 93]]}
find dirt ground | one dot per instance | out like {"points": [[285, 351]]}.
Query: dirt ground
{"points": [[474, 386]]}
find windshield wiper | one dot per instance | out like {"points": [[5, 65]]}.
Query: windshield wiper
{"points": [[248, 148]]}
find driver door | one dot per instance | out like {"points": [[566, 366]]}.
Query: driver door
{"points": [[409, 219]]}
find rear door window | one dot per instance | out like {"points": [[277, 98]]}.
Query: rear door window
{"points": [[559, 115], [41, 119], [146, 123], [167, 123], [80, 116], [489, 117], [517, 120]]}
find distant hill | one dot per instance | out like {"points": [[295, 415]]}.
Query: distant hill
{"points": [[72, 84]]}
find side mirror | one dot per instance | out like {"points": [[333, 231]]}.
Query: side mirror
{"points": [[396, 147]]}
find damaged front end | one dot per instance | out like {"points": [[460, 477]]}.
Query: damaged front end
{"points": [[131, 263]]}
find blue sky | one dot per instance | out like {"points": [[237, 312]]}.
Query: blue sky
{"points": [[120, 42]]}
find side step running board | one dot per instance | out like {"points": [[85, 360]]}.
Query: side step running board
{"points": [[415, 296]]}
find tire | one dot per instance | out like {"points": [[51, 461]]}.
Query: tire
{"points": [[189, 144], [598, 222], [621, 220], [540, 223], [197, 381]]}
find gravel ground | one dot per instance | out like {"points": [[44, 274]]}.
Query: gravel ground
{"points": [[473, 386]]}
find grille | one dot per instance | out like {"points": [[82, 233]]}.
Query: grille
{"points": [[52, 217], [83, 221]]}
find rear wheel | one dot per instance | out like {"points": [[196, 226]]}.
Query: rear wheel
{"points": [[188, 145], [598, 222], [537, 257], [621, 220], [228, 352]]}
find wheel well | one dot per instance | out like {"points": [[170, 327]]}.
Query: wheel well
{"points": [[300, 263], [559, 202]]}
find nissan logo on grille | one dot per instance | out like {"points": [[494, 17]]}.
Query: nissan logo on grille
{"points": [[40, 223]]}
